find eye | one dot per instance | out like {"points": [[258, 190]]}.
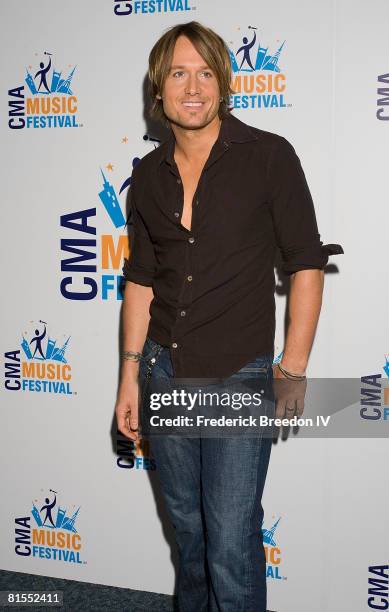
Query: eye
{"points": [[178, 72], [207, 73]]}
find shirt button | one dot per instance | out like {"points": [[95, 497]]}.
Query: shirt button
{"points": [[176, 214], [174, 345], [178, 181], [183, 313], [191, 240], [189, 277]]}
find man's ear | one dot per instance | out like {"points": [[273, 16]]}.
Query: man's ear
{"points": [[158, 97]]}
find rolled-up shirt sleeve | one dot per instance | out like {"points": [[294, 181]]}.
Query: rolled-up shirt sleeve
{"points": [[141, 264], [293, 213]]}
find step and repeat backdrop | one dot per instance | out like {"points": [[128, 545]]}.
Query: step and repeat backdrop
{"points": [[78, 500]]}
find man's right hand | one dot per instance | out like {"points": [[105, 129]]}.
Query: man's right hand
{"points": [[127, 409]]}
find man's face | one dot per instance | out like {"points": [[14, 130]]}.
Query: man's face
{"points": [[191, 92]]}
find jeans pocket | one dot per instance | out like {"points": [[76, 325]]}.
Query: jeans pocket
{"points": [[150, 354], [150, 349]]}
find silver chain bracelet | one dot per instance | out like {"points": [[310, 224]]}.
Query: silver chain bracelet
{"points": [[290, 375]]}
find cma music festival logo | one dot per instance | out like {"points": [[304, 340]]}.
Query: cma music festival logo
{"points": [[375, 395], [134, 455], [45, 99], [39, 363], [94, 267], [273, 552], [378, 587], [257, 77], [135, 7], [48, 531]]}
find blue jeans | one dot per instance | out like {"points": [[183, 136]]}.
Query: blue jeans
{"points": [[212, 488]]}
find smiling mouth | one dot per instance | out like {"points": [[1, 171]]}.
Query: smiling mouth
{"points": [[192, 104]]}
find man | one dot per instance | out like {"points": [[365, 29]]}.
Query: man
{"points": [[210, 206]]}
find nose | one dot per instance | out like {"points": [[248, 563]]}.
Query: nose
{"points": [[192, 85]]}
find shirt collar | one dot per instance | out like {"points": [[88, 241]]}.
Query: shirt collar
{"points": [[232, 129]]}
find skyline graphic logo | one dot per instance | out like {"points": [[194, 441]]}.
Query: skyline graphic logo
{"points": [[273, 553], [257, 77], [46, 99], [49, 531], [39, 363]]}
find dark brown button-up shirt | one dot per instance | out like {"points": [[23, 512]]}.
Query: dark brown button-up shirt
{"points": [[214, 284]]}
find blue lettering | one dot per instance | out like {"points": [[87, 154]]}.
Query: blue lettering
{"points": [[72, 265], [16, 108], [69, 221], [78, 295], [12, 370]]}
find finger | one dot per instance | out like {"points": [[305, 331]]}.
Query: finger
{"points": [[290, 408], [275, 432], [299, 407], [285, 432], [133, 420], [125, 430], [121, 423], [280, 408]]}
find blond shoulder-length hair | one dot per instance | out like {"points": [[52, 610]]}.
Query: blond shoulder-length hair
{"points": [[208, 44]]}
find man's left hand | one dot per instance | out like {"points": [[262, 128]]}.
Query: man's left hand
{"points": [[289, 395]]}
